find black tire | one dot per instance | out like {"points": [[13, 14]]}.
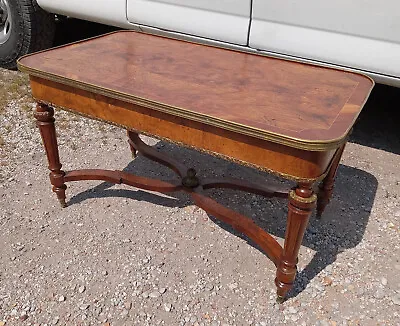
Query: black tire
{"points": [[32, 29]]}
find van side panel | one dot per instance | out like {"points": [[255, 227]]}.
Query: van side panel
{"points": [[111, 12], [362, 34]]}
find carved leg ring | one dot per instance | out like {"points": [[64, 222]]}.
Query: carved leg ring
{"points": [[326, 187], [45, 121], [301, 202]]}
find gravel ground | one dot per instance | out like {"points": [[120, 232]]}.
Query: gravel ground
{"points": [[121, 256]]}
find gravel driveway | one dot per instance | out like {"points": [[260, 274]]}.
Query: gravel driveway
{"points": [[121, 256]]}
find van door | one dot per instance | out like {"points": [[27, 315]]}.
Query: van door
{"points": [[363, 34], [224, 20]]}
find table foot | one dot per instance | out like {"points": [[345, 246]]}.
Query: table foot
{"points": [[280, 299], [62, 202], [301, 202]]}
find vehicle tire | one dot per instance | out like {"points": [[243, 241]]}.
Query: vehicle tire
{"points": [[24, 28]]}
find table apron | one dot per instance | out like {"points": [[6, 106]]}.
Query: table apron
{"points": [[288, 162]]}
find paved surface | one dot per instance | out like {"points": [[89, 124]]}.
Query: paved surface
{"points": [[122, 256]]}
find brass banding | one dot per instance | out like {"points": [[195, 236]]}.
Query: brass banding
{"points": [[305, 200]]}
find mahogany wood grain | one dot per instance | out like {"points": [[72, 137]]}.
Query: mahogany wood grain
{"points": [[45, 121], [301, 202], [120, 177]]}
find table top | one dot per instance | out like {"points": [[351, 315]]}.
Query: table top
{"points": [[291, 103]]}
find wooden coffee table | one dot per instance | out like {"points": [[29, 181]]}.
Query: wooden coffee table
{"points": [[288, 118]]}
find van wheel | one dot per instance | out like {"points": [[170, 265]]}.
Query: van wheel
{"points": [[24, 28]]}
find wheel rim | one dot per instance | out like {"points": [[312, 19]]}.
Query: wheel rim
{"points": [[5, 21]]}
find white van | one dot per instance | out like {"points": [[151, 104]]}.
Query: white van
{"points": [[358, 35]]}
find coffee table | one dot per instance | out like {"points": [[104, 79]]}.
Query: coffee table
{"points": [[284, 117]]}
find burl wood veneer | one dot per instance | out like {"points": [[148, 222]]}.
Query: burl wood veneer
{"points": [[284, 117]]}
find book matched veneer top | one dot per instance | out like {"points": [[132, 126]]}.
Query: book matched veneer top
{"points": [[291, 103]]}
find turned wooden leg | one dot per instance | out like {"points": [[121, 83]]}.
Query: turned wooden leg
{"points": [[133, 149], [301, 202], [45, 121], [326, 186]]}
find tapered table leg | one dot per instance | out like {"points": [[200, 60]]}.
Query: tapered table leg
{"points": [[45, 121], [326, 186], [301, 202]]}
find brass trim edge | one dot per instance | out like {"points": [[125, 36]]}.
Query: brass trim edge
{"points": [[191, 115], [308, 200]]}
